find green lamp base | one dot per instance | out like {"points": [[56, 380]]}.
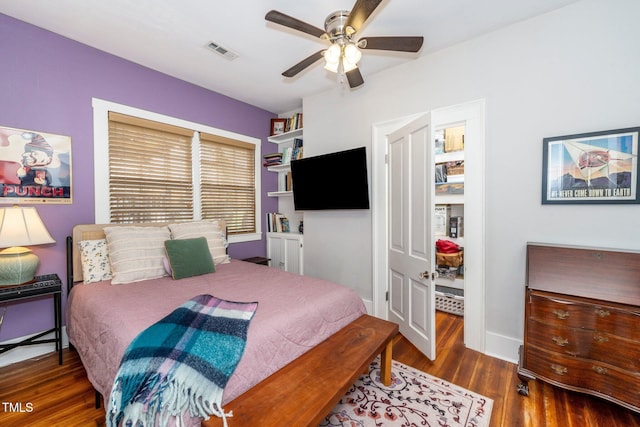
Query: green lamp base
{"points": [[17, 265]]}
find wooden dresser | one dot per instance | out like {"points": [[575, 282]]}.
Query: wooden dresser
{"points": [[582, 321]]}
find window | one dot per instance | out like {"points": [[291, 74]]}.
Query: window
{"points": [[162, 169], [150, 171], [227, 182]]}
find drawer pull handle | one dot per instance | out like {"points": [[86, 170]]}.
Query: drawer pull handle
{"points": [[602, 313], [561, 314], [599, 369], [600, 338], [560, 341], [560, 370]]}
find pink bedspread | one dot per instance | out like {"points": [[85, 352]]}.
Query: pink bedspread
{"points": [[294, 314]]}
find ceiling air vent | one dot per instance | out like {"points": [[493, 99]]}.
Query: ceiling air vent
{"points": [[220, 50]]}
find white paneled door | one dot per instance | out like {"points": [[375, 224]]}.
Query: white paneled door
{"points": [[411, 255]]}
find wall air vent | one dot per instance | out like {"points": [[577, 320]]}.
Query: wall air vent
{"points": [[220, 50]]}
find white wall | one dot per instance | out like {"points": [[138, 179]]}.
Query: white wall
{"points": [[571, 71]]}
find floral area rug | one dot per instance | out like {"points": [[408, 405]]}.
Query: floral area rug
{"points": [[414, 398]]}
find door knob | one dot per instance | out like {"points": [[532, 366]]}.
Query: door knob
{"points": [[426, 275]]}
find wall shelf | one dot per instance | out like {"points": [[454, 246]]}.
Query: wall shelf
{"points": [[449, 199], [279, 193], [286, 141], [280, 168], [449, 157], [283, 138]]}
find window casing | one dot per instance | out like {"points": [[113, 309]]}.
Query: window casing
{"points": [[162, 169]]}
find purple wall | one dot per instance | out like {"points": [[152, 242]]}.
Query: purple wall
{"points": [[47, 83]]}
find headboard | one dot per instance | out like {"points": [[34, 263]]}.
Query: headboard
{"points": [[96, 231]]}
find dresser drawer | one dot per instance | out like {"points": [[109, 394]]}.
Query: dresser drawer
{"points": [[585, 343], [582, 321], [558, 310], [584, 375]]}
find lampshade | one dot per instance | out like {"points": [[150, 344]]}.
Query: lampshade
{"points": [[20, 226], [352, 54], [342, 58], [332, 58]]}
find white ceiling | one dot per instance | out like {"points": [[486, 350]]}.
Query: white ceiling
{"points": [[170, 36]]}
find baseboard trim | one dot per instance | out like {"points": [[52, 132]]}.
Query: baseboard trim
{"points": [[27, 352], [368, 305], [498, 346], [502, 347]]}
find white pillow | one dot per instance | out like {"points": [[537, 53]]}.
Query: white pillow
{"points": [[136, 253], [94, 255], [211, 230]]}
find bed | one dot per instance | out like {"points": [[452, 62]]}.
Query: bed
{"points": [[298, 318]]}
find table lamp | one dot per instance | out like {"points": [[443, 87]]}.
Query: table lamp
{"points": [[19, 227]]}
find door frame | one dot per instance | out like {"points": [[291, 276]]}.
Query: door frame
{"points": [[473, 115]]}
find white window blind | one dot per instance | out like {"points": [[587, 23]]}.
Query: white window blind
{"points": [[150, 174], [227, 182]]}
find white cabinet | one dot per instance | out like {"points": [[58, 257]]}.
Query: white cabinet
{"points": [[285, 251]]}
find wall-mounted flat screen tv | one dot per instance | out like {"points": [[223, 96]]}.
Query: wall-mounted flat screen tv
{"points": [[331, 181]]}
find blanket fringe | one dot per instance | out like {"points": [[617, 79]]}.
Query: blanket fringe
{"points": [[174, 401]]}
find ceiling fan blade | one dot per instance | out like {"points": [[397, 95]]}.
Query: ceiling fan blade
{"points": [[355, 78], [360, 12], [400, 43], [288, 21], [303, 64]]}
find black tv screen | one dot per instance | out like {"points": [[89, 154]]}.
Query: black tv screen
{"points": [[331, 181]]}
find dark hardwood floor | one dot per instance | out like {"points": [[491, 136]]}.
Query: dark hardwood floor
{"points": [[39, 392]]}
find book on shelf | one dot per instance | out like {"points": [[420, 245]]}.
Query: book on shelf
{"points": [[441, 219], [456, 226], [288, 182], [272, 159], [277, 222], [292, 153], [297, 149], [294, 122], [284, 224], [285, 182], [286, 155]]}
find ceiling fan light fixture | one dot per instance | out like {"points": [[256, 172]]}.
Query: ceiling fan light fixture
{"points": [[348, 66], [332, 58], [332, 66], [333, 53], [352, 54]]}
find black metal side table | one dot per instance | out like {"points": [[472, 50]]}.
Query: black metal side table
{"points": [[258, 260], [49, 284]]}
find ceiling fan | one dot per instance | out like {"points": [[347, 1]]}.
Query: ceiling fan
{"points": [[343, 54]]}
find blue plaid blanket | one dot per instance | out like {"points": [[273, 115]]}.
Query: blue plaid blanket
{"points": [[181, 363]]}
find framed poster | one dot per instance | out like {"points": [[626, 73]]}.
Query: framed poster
{"points": [[35, 167], [278, 126], [599, 167]]}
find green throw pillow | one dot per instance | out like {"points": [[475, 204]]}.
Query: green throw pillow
{"points": [[189, 257]]}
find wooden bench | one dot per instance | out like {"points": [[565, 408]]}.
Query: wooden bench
{"points": [[303, 392]]}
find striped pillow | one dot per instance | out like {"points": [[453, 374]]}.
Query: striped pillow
{"points": [[210, 230], [136, 253]]}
